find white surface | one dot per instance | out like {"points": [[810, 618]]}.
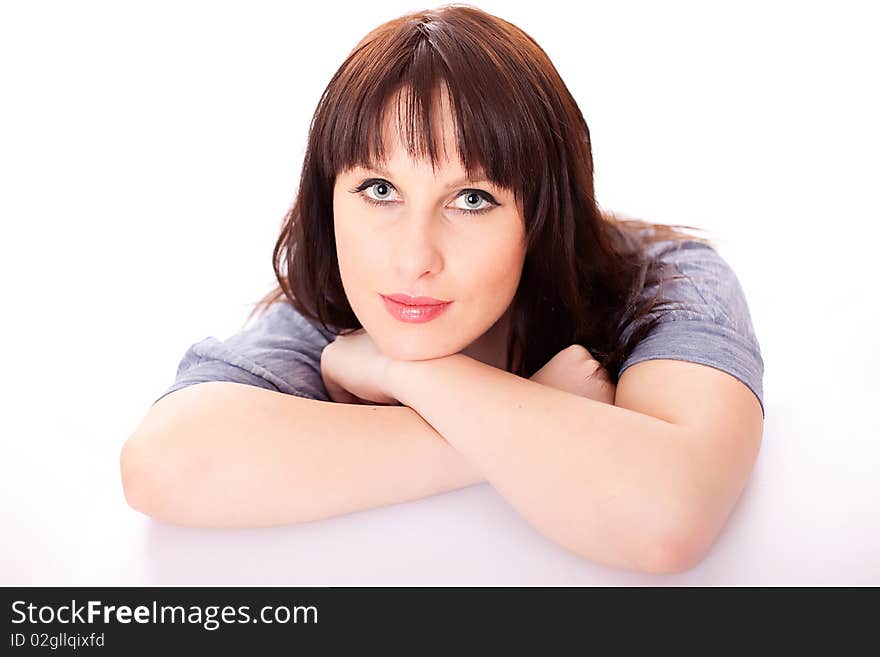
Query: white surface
{"points": [[148, 160]]}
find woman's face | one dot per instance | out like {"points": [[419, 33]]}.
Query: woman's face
{"points": [[418, 239]]}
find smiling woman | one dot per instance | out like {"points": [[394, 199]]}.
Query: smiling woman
{"points": [[445, 253]]}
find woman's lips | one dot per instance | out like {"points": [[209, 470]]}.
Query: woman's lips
{"points": [[400, 297], [414, 314]]}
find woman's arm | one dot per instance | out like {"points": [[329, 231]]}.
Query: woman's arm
{"points": [[605, 482], [221, 454]]}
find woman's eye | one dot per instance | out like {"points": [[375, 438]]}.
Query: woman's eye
{"points": [[473, 201], [380, 185], [378, 192]]}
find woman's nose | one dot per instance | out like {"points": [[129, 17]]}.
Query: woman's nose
{"points": [[417, 248]]}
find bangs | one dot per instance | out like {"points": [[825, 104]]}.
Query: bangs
{"points": [[497, 126]]}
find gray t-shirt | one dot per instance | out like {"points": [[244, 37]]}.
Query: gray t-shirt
{"points": [[710, 325]]}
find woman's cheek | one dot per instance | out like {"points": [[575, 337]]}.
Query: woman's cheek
{"points": [[502, 271], [357, 254]]}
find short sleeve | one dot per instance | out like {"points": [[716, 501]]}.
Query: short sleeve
{"points": [[280, 351], [709, 322]]}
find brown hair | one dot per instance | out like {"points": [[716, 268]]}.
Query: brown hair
{"points": [[585, 269]]}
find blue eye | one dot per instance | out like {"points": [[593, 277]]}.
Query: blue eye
{"points": [[379, 183]]}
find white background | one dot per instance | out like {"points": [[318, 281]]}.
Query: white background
{"points": [[148, 153]]}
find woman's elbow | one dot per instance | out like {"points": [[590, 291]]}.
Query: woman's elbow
{"points": [[676, 551], [138, 469]]}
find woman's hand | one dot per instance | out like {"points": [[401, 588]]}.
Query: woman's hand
{"points": [[576, 371], [355, 371]]}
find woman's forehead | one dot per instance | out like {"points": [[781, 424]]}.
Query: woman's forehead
{"points": [[393, 158], [416, 131], [404, 129], [401, 164]]}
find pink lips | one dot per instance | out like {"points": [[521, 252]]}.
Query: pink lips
{"points": [[414, 310], [414, 301]]}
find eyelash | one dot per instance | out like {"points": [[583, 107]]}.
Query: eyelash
{"points": [[370, 182]]}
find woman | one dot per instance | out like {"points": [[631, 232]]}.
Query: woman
{"points": [[453, 307]]}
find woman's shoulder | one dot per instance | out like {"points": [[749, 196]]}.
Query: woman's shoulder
{"points": [[704, 316], [282, 317], [278, 349], [700, 279]]}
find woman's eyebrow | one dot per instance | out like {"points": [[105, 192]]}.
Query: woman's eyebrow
{"points": [[481, 177]]}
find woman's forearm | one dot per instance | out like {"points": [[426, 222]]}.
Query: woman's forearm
{"points": [[221, 454], [602, 481]]}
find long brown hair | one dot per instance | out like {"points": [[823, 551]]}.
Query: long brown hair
{"points": [[585, 269]]}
